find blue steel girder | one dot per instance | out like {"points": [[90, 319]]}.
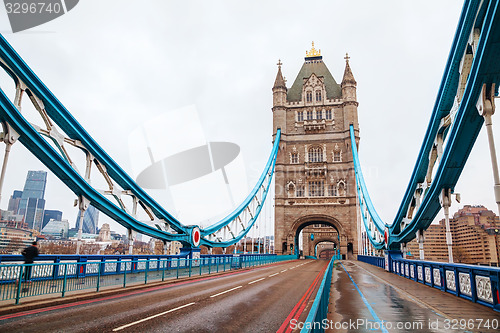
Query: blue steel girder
{"points": [[60, 163], [466, 126], [455, 123], [376, 234]]}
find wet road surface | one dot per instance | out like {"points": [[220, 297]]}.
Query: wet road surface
{"points": [[362, 301], [257, 300]]}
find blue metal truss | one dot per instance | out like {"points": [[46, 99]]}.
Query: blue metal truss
{"points": [[460, 133], [15, 66]]}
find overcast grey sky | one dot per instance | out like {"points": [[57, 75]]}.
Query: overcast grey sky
{"points": [[113, 63]]}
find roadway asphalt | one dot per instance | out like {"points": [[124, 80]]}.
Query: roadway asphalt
{"points": [[262, 299]]}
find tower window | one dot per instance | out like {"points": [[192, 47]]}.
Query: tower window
{"points": [[316, 188], [299, 191], [300, 116], [318, 96], [310, 115], [294, 158], [332, 190], [309, 96], [337, 156], [315, 155], [329, 114], [319, 115]]}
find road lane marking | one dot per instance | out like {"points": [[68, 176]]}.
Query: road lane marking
{"points": [[274, 274], [152, 317], [226, 291], [284, 270], [256, 280], [137, 292], [363, 298], [300, 306]]}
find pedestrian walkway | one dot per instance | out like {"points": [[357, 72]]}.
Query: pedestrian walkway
{"points": [[366, 298]]}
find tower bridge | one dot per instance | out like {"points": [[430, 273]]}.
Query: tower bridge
{"points": [[320, 197], [315, 182]]}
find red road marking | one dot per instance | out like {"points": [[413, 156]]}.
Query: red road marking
{"points": [[301, 304], [69, 305]]}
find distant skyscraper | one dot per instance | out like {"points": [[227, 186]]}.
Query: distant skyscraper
{"points": [[32, 201], [90, 220], [14, 201], [51, 215]]}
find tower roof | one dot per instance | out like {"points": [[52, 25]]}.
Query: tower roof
{"points": [[314, 64], [348, 76], [279, 82]]}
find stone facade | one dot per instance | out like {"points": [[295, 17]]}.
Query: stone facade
{"points": [[314, 180], [324, 236]]}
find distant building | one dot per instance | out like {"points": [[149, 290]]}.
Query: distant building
{"points": [[90, 220], [116, 236], [104, 234], [32, 203], [14, 200], [12, 239], [56, 229], [475, 235], [51, 215]]}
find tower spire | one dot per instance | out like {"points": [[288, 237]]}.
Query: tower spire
{"points": [[348, 76], [279, 82]]}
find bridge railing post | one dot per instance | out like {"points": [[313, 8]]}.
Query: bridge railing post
{"points": [[98, 284], [190, 266]]}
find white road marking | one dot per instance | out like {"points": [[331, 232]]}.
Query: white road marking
{"points": [[226, 291], [152, 317], [284, 270], [256, 280], [274, 274]]}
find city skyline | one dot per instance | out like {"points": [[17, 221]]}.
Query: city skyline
{"points": [[397, 66]]}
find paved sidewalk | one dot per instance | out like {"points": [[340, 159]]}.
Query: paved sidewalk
{"points": [[366, 298]]}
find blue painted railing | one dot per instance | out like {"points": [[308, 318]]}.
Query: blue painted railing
{"points": [[95, 273], [243, 260], [319, 309], [478, 284]]}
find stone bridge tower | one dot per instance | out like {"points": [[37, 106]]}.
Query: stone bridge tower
{"points": [[314, 179]]}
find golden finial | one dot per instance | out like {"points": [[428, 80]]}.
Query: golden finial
{"points": [[313, 52], [347, 57], [279, 63]]}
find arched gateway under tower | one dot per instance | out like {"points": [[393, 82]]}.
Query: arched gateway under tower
{"points": [[315, 182]]}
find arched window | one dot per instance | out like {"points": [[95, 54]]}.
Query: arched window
{"points": [[300, 116], [316, 188], [319, 114], [332, 190], [315, 155], [309, 96], [299, 191], [318, 95], [329, 114], [337, 156], [310, 115]]}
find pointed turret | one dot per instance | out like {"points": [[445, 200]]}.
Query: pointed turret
{"points": [[348, 83], [279, 88], [279, 82], [349, 96], [348, 78], [279, 104]]}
